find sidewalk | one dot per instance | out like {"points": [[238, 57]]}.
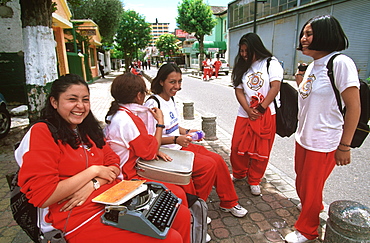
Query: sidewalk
{"points": [[270, 216]]}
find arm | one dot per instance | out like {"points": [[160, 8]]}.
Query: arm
{"points": [[274, 90], [252, 113], [351, 98]]}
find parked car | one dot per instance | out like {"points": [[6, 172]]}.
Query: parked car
{"points": [[225, 68], [5, 119]]}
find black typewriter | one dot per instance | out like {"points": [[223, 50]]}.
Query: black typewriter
{"points": [[150, 213]]}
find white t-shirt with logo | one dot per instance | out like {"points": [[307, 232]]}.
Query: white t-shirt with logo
{"points": [[320, 123], [257, 80], [171, 119]]}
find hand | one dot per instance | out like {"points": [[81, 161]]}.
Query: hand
{"points": [[254, 114], [183, 140], [78, 198], [342, 158], [104, 172], [164, 156], [157, 114]]}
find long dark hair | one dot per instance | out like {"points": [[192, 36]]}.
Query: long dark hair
{"points": [[255, 50], [328, 34], [162, 75], [124, 89], [88, 128]]}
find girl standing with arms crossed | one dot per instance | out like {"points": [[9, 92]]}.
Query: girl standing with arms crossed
{"points": [[323, 136], [256, 86]]}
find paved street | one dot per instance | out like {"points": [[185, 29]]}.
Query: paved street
{"points": [[271, 216]]}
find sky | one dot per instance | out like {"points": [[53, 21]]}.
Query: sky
{"points": [[164, 10]]}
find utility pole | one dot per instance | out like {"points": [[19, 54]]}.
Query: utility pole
{"points": [[255, 14]]}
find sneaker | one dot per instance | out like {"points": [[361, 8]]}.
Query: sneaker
{"points": [[296, 237], [208, 238], [235, 179], [238, 211], [255, 190], [209, 220], [299, 206]]}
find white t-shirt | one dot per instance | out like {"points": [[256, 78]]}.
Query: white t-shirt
{"points": [[320, 123], [171, 119], [257, 80]]}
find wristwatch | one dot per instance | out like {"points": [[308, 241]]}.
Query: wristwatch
{"points": [[160, 125], [96, 183]]}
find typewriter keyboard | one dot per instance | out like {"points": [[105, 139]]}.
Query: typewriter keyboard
{"points": [[162, 213]]}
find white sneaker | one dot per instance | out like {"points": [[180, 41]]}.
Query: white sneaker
{"points": [[209, 220], [296, 237], [208, 238], [299, 206], [255, 190], [238, 211], [236, 179]]}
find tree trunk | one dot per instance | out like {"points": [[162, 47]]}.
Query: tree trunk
{"points": [[201, 51], [39, 52]]}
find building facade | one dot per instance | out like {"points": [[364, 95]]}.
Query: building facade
{"points": [[279, 23], [158, 29]]}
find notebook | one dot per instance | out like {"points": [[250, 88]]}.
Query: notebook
{"points": [[121, 193]]}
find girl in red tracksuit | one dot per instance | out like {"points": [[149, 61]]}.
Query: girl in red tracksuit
{"points": [[67, 163], [209, 168], [255, 88]]}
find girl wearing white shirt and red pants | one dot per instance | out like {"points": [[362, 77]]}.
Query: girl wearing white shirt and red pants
{"points": [[323, 136]]}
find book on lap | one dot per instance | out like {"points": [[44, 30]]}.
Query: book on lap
{"points": [[121, 193]]}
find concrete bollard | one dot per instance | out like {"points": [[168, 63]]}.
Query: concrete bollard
{"points": [[348, 222], [209, 127], [188, 110]]}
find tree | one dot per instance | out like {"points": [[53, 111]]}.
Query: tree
{"points": [[105, 13], [195, 17], [166, 43], [39, 52], [133, 34]]}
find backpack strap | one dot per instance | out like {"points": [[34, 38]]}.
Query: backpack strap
{"points": [[156, 99], [329, 66]]}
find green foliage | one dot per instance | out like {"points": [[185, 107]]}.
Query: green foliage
{"points": [[195, 17], [105, 13], [133, 34], [167, 44]]}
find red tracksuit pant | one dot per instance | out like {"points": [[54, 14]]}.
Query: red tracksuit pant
{"points": [[312, 169], [243, 165], [210, 169]]}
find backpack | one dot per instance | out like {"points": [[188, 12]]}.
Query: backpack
{"points": [[198, 211], [25, 213], [156, 99], [362, 129], [287, 112]]}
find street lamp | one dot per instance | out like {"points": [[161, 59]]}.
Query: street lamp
{"points": [[255, 14]]}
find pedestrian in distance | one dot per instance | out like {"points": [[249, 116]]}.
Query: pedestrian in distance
{"points": [[74, 165], [217, 65], [256, 84], [101, 69], [323, 135], [209, 168], [207, 69]]}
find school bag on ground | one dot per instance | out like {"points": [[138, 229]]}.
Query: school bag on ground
{"points": [[362, 129], [287, 112], [198, 211]]}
